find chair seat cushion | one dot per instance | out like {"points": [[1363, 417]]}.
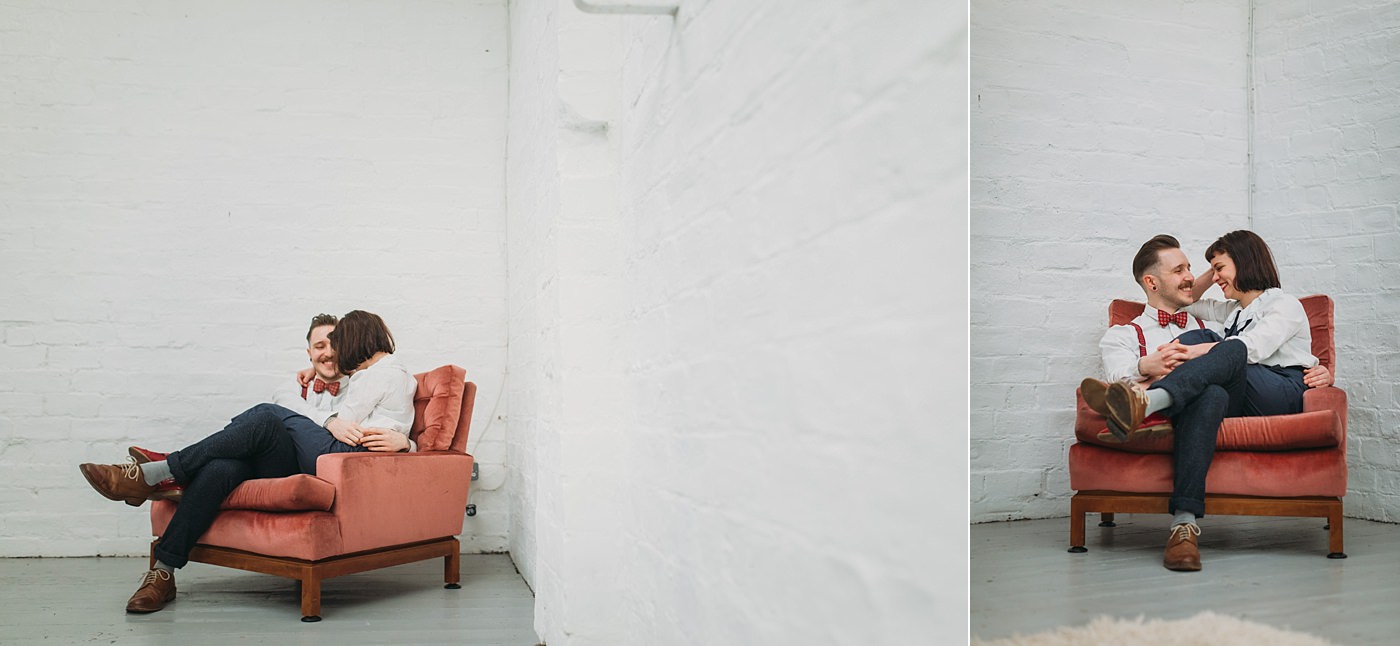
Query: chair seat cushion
{"points": [[1318, 429], [300, 492], [1314, 472]]}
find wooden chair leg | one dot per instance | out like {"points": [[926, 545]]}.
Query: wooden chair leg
{"points": [[311, 597], [1106, 519], [452, 567], [1076, 526], [1334, 532]]}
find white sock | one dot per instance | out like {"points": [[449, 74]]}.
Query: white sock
{"points": [[1157, 399], [154, 472], [1183, 517]]}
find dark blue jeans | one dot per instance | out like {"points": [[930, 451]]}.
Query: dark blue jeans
{"points": [[265, 441], [1206, 390]]}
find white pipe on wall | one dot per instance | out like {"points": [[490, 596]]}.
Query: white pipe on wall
{"points": [[658, 7]]}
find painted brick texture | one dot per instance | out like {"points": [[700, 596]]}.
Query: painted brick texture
{"points": [[1094, 126], [793, 184], [750, 294], [1327, 185], [183, 187]]}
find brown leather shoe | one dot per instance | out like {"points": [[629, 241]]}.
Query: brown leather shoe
{"points": [[1182, 554], [118, 482], [157, 589], [1127, 406], [1094, 392]]}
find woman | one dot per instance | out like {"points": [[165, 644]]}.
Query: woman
{"points": [[266, 441]]}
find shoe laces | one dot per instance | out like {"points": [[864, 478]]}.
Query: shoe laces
{"points": [[131, 469], [150, 577], [1181, 531]]}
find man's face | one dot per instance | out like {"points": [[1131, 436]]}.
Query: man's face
{"points": [[318, 347], [1173, 278]]}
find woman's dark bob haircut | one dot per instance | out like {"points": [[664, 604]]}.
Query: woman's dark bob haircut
{"points": [[359, 336], [1254, 263]]}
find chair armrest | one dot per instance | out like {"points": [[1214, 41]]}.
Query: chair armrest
{"points": [[1328, 398], [387, 499]]}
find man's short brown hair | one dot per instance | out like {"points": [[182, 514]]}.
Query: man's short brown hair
{"points": [[1147, 258], [1254, 263], [318, 321], [359, 336]]}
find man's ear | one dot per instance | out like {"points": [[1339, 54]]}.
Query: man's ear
{"points": [[1149, 283]]}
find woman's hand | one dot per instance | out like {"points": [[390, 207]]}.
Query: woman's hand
{"points": [[383, 439], [344, 430], [1317, 376], [304, 376]]}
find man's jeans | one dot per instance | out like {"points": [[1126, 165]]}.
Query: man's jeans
{"points": [[1206, 390], [265, 441]]}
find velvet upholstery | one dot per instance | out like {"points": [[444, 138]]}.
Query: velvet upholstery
{"points": [[360, 502], [300, 492], [1295, 458]]}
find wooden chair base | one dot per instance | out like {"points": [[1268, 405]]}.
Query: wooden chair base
{"points": [[310, 574], [1107, 503]]}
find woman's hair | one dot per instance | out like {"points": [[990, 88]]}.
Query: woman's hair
{"points": [[359, 336], [1254, 263]]}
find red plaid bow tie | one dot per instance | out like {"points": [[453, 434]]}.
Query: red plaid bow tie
{"points": [[1163, 319], [321, 386]]}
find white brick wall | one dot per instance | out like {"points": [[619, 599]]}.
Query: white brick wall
{"points": [[774, 407], [793, 182], [184, 186], [1327, 151], [565, 281], [1094, 126]]}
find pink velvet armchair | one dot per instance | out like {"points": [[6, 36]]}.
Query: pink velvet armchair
{"points": [[362, 511], [1282, 465]]}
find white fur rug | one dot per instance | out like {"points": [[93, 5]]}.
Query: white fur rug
{"points": [[1205, 629]]}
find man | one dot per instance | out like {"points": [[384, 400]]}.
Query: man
{"points": [[1149, 348], [266, 441]]}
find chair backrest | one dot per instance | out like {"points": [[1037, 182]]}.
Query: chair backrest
{"points": [[1320, 323], [442, 409]]}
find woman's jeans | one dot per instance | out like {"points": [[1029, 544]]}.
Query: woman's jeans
{"points": [[1206, 390]]}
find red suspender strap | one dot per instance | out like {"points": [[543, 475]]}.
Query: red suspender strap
{"points": [[1201, 323], [1142, 340]]}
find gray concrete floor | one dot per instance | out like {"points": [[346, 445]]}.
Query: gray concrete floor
{"points": [[83, 600], [1267, 570]]}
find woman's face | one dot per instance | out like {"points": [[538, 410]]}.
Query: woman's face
{"points": [[1224, 267]]}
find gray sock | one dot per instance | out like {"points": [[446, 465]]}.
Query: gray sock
{"points": [[160, 565], [1183, 517], [154, 472], [1157, 399]]}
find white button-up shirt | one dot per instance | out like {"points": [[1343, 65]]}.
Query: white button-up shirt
{"points": [[1274, 327], [380, 396], [1119, 346]]}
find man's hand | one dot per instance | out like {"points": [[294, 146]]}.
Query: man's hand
{"points": [[1317, 376], [304, 376], [1161, 362], [383, 439], [345, 431]]}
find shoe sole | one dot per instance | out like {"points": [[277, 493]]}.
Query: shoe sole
{"points": [[134, 502], [1119, 402], [1093, 392], [1183, 568]]}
